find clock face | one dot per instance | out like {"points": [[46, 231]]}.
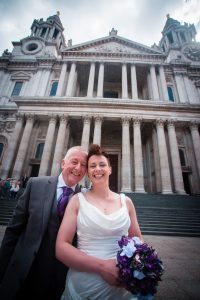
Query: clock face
{"points": [[192, 51]]}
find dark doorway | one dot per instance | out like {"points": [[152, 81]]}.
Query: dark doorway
{"points": [[110, 94], [113, 180], [35, 170], [186, 182]]}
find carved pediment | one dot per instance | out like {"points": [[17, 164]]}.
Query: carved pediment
{"points": [[112, 47], [113, 44], [21, 75]]}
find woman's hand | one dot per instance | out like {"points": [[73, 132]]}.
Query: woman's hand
{"points": [[109, 272]]}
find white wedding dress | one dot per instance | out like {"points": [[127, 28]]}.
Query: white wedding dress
{"points": [[98, 236]]}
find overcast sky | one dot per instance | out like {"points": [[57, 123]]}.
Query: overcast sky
{"points": [[139, 20]]}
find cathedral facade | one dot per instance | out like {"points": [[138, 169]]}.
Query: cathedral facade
{"points": [[141, 104]]}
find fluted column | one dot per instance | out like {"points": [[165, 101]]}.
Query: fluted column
{"points": [[10, 151], [100, 80], [46, 155], [91, 80], [164, 163], [97, 130], [126, 160], [86, 132], [71, 80], [154, 83], [23, 147], [61, 80], [163, 83], [59, 146], [134, 88], [176, 164], [196, 143], [138, 159], [124, 81]]}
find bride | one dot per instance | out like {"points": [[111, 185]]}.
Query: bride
{"points": [[100, 218]]}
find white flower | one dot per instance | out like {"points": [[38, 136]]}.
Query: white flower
{"points": [[129, 249], [139, 275]]}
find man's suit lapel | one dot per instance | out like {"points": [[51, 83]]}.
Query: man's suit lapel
{"points": [[49, 196]]}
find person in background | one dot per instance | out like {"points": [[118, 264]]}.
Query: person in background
{"points": [[100, 218], [14, 189], [28, 266]]}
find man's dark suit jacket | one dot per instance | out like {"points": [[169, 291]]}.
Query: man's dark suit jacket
{"points": [[28, 267]]}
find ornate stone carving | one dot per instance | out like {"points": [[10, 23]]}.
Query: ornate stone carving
{"points": [[113, 47]]}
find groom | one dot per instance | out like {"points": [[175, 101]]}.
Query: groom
{"points": [[28, 267]]}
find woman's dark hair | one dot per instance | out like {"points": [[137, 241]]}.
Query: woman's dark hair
{"points": [[95, 149]]}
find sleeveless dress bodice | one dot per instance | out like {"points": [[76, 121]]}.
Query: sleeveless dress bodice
{"points": [[98, 236]]}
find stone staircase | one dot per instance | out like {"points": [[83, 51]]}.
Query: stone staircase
{"points": [[6, 210], [172, 215]]}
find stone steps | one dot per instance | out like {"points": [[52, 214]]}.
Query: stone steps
{"points": [[6, 210], [172, 215]]}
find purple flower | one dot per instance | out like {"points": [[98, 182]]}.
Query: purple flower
{"points": [[139, 267]]}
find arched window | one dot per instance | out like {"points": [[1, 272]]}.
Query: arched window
{"points": [[54, 87], [1, 149], [170, 93], [182, 157], [39, 151]]}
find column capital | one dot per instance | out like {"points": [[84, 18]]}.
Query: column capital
{"points": [[19, 116], [125, 120], [86, 119], [194, 125], [63, 118], [98, 118], [30, 117], [171, 122], [52, 117], [160, 122], [137, 120]]}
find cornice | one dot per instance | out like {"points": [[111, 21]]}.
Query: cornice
{"points": [[107, 103], [136, 56]]}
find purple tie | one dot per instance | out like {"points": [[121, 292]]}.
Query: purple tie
{"points": [[63, 201]]}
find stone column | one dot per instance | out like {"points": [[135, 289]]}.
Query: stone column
{"points": [[156, 162], [134, 82], [61, 80], [71, 80], [154, 83], [91, 80], [196, 143], [163, 83], [59, 146], [138, 159], [97, 130], [164, 163], [100, 81], [86, 132], [181, 88], [12, 145], [46, 155], [23, 147], [124, 81], [176, 164], [126, 160]]}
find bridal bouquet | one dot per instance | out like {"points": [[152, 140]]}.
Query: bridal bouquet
{"points": [[140, 269]]}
